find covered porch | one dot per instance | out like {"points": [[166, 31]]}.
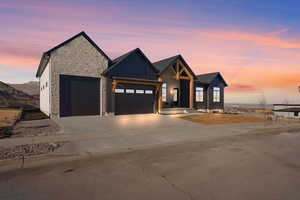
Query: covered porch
{"points": [[178, 87]]}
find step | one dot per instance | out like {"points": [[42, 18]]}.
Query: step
{"points": [[174, 111]]}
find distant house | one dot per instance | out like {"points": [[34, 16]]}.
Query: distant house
{"points": [[287, 110], [78, 78]]}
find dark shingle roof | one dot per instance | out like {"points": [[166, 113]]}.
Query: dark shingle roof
{"points": [[45, 56], [209, 77], [119, 59], [162, 65]]}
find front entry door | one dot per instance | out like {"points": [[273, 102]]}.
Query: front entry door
{"points": [[184, 93]]}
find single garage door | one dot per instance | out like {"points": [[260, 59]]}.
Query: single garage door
{"points": [[134, 99], [79, 95]]}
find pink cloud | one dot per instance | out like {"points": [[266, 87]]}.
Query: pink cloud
{"points": [[261, 39]]}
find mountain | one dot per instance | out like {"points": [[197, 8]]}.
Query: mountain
{"points": [[31, 88], [11, 97]]}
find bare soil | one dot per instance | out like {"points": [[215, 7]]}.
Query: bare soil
{"points": [[35, 128], [8, 116], [216, 118]]}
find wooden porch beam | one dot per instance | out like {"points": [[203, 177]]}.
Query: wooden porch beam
{"points": [[183, 77], [192, 93], [184, 68]]}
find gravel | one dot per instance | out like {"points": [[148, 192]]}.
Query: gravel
{"points": [[28, 150]]}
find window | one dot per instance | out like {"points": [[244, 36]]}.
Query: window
{"points": [[139, 91], [46, 84], [119, 90], [129, 91], [199, 94], [175, 94], [148, 92], [216, 94], [296, 114], [164, 92]]}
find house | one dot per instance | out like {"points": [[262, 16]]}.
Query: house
{"points": [[287, 110], [78, 78]]}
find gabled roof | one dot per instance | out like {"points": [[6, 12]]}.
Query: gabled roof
{"points": [[164, 64], [46, 55], [209, 78], [114, 64]]}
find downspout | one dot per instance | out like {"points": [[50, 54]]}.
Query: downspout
{"points": [[207, 105], [101, 96]]}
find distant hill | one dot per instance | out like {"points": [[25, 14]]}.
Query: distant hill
{"points": [[11, 97], [31, 88]]}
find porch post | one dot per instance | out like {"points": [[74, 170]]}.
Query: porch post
{"points": [[159, 96], [191, 92]]}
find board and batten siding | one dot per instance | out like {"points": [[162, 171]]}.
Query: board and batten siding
{"points": [[45, 90], [77, 58]]}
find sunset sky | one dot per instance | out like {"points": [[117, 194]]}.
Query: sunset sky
{"points": [[255, 44]]}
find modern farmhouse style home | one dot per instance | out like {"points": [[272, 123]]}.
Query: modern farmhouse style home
{"points": [[78, 78]]}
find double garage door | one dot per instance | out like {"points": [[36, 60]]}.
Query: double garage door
{"points": [[134, 99], [79, 95]]}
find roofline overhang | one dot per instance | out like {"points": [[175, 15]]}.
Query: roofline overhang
{"points": [[136, 80]]}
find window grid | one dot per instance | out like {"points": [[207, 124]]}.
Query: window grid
{"points": [[199, 94], [164, 92], [216, 94]]}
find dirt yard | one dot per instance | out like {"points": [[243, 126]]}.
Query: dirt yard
{"points": [[8, 116], [216, 118]]}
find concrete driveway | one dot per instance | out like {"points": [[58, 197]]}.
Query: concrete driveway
{"points": [[99, 134]]}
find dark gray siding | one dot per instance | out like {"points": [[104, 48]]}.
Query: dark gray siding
{"points": [[201, 105], [109, 96], [208, 102], [134, 66], [216, 105]]}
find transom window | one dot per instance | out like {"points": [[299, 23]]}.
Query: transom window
{"points": [[139, 91], [148, 92], [216, 93], [119, 90], [199, 94], [129, 91], [164, 92]]}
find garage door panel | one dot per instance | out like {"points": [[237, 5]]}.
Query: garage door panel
{"points": [[79, 95], [135, 103]]}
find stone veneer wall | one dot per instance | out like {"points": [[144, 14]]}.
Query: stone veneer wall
{"points": [[80, 58]]}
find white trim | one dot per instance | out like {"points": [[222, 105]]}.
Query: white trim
{"points": [[101, 97]]}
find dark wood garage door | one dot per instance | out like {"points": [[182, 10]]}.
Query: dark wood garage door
{"points": [[134, 99], [79, 95]]}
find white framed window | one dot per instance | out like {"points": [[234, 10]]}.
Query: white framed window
{"points": [[164, 92], [139, 91], [216, 93], [199, 94], [119, 90], [129, 91], [148, 92]]}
